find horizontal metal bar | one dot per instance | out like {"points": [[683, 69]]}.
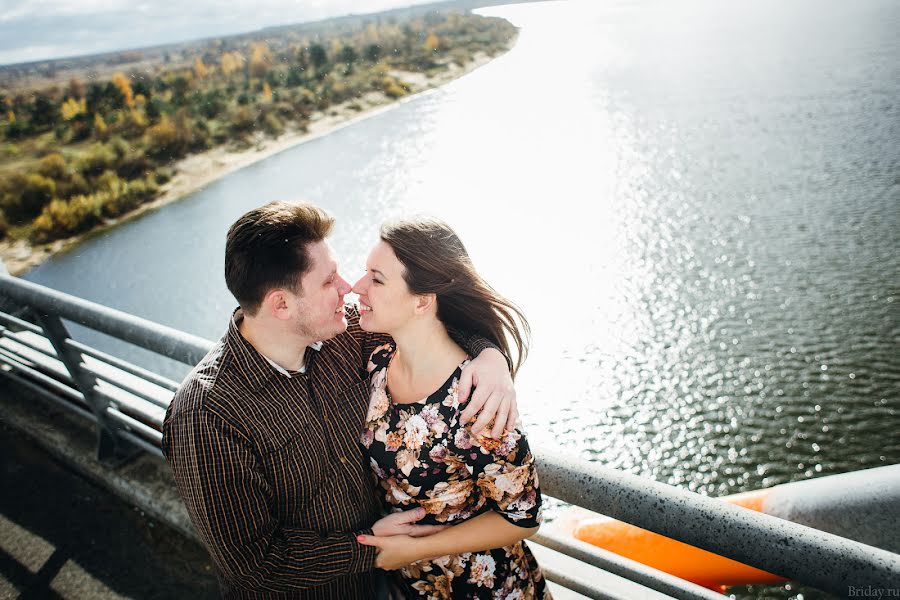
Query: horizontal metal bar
{"points": [[133, 407], [142, 444], [167, 341], [623, 567], [100, 374], [8, 318], [585, 588], [145, 430], [813, 557], [11, 335], [44, 363], [15, 363], [42, 391], [126, 366]]}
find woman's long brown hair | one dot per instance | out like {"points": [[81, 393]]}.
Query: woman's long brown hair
{"points": [[436, 262]]}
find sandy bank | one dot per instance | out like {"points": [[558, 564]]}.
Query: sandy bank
{"points": [[196, 171]]}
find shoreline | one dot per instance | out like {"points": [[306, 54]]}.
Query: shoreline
{"points": [[196, 171]]}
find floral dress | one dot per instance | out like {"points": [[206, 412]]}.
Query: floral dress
{"points": [[423, 457]]}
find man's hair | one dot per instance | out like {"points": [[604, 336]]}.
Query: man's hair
{"points": [[267, 249]]}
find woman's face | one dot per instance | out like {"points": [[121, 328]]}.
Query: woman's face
{"points": [[385, 302]]}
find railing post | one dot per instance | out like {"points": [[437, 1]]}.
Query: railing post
{"points": [[112, 451]]}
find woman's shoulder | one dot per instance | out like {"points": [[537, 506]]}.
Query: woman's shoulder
{"points": [[380, 357]]}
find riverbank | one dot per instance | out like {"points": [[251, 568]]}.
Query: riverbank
{"points": [[199, 170]]}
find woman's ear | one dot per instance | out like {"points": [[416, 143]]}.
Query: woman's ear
{"points": [[425, 303]]}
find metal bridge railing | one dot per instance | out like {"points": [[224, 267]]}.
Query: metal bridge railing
{"points": [[128, 404]]}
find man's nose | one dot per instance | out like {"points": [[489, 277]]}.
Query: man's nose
{"points": [[343, 286]]}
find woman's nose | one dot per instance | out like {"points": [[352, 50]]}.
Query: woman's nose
{"points": [[359, 286]]}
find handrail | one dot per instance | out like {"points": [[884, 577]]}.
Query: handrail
{"points": [[810, 556], [163, 340]]}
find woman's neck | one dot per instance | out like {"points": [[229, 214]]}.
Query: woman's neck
{"points": [[425, 353]]}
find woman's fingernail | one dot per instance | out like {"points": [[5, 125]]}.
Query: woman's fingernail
{"points": [[360, 538]]}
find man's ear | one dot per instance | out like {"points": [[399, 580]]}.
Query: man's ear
{"points": [[425, 303], [277, 303]]}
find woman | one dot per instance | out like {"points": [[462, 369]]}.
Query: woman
{"points": [[419, 280]]}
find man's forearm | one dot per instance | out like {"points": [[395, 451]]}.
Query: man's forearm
{"points": [[475, 344], [291, 560]]}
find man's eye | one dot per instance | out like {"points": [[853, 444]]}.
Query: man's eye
{"points": [[376, 281]]}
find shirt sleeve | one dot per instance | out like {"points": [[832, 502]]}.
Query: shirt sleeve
{"points": [[505, 474], [474, 344], [226, 495]]}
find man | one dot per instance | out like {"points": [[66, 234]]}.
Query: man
{"points": [[262, 434]]}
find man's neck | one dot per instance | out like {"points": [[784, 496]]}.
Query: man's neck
{"points": [[284, 348]]}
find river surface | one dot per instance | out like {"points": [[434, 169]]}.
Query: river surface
{"points": [[697, 204]]}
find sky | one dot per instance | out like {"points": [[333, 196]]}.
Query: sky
{"points": [[41, 29]]}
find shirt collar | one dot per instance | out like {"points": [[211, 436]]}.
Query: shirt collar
{"points": [[252, 359]]}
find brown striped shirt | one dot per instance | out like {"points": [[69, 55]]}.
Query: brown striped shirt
{"points": [[269, 466]]}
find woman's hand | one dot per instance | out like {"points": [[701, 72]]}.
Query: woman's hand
{"points": [[401, 523], [394, 552], [494, 395]]}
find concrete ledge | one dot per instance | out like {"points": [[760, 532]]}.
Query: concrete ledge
{"points": [[145, 482]]}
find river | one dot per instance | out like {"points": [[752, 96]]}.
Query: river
{"points": [[697, 204]]}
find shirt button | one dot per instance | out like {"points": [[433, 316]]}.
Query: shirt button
{"points": [[343, 459]]}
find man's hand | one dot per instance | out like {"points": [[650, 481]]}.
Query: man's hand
{"points": [[494, 395], [393, 552], [401, 523]]}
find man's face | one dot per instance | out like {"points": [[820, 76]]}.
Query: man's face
{"points": [[319, 308]]}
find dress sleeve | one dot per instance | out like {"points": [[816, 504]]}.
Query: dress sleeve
{"points": [[505, 474]]}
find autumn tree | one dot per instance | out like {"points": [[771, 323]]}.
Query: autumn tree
{"points": [[231, 62], [124, 86], [200, 68], [71, 108], [432, 42], [75, 89], [260, 59]]}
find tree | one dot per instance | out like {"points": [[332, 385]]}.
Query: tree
{"points": [[103, 99], [71, 108], [260, 59], [180, 87], [44, 112], [124, 86], [372, 53], [76, 89], [432, 42], [302, 59], [231, 62], [318, 56], [348, 55], [200, 69]]}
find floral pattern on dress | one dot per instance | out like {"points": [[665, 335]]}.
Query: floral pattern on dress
{"points": [[422, 456]]}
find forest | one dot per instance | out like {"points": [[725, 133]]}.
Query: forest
{"points": [[77, 153]]}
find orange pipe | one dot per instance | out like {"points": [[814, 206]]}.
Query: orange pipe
{"points": [[674, 557]]}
